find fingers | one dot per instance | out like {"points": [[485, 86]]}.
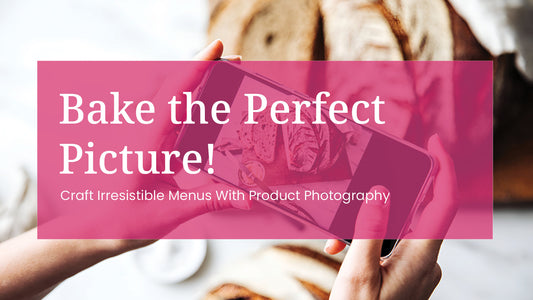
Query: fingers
{"points": [[211, 52], [436, 275], [371, 225], [190, 79], [370, 229], [334, 246], [373, 216], [203, 183], [440, 211], [185, 181], [232, 57], [445, 185], [214, 51], [444, 204], [360, 273], [241, 202], [371, 221]]}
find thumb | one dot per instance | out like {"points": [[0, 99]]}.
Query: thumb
{"points": [[224, 197], [211, 52], [370, 229], [373, 216], [360, 275]]}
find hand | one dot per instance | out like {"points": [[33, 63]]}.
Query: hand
{"points": [[26, 275], [169, 219], [412, 271]]}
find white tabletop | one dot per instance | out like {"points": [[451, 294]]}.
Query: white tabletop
{"points": [[472, 269]]}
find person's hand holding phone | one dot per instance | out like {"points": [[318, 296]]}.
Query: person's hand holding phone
{"points": [[26, 275], [136, 221], [411, 271], [167, 220]]}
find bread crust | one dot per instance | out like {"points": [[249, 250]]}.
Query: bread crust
{"points": [[305, 251], [230, 291], [282, 38]]}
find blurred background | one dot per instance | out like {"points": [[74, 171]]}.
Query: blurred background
{"points": [[497, 30]]}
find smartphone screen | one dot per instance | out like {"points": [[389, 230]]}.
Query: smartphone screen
{"points": [[288, 158]]}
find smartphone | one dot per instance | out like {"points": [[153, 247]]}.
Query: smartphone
{"points": [[344, 158]]}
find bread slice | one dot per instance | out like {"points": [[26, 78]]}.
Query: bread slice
{"points": [[307, 146], [281, 30], [246, 134]]}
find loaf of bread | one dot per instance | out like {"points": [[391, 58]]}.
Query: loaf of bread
{"points": [[387, 30], [231, 291], [281, 30], [266, 29], [351, 30], [357, 30], [227, 21], [397, 30], [287, 271]]}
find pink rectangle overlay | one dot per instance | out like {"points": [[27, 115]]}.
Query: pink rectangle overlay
{"points": [[265, 150]]}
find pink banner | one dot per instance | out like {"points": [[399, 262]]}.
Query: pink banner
{"points": [[284, 150]]}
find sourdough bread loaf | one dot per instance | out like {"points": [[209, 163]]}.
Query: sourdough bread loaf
{"points": [[227, 21], [397, 30], [347, 29], [357, 30], [387, 30], [288, 271], [227, 291], [266, 29], [281, 30]]}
